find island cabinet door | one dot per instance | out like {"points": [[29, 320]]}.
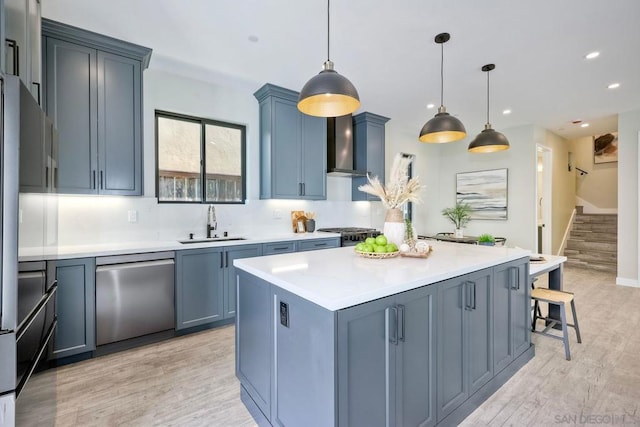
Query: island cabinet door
{"points": [[199, 287], [366, 364], [415, 358], [479, 315], [453, 383], [511, 311]]}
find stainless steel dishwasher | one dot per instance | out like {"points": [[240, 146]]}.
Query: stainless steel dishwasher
{"points": [[134, 296]]}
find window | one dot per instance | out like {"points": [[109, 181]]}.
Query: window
{"points": [[199, 160]]}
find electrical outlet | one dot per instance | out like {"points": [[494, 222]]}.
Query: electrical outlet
{"points": [[132, 215]]}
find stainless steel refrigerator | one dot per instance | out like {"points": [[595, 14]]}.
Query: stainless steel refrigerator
{"points": [[9, 176]]}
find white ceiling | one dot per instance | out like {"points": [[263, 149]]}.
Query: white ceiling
{"points": [[386, 49]]}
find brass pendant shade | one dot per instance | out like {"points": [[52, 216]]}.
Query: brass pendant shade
{"points": [[328, 94], [442, 127], [489, 140]]}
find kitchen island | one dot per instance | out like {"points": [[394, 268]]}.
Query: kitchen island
{"points": [[331, 338]]}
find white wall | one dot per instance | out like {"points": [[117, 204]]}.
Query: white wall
{"points": [[628, 128], [597, 191]]}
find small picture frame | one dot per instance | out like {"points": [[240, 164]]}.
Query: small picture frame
{"points": [[301, 228]]}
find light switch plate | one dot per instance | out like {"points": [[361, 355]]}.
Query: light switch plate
{"points": [[132, 215]]}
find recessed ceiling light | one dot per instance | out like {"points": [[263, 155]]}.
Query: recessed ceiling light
{"points": [[505, 112], [430, 106], [584, 125], [592, 55], [614, 86]]}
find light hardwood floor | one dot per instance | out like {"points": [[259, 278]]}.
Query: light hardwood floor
{"points": [[190, 381]]}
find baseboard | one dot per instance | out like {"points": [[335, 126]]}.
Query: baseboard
{"points": [[623, 281], [567, 231]]}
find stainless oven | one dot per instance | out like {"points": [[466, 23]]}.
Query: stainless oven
{"points": [[351, 236]]}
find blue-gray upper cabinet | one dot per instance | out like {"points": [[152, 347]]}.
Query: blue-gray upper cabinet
{"points": [[231, 254], [75, 307], [293, 146], [93, 91], [368, 147], [512, 311], [395, 337], [199, 287], [21, 42], [465, 342]]}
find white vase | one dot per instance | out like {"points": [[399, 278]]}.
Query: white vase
{"points": [[458, 233], [394, 226]]}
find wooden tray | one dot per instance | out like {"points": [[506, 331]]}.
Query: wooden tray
{"points": [[417, 254], [377, 255]]}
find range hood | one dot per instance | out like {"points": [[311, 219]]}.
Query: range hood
{"points": [[340, 150]]}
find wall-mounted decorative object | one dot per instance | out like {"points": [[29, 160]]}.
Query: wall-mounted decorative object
{"points": [[605, 148], [485, 192]]}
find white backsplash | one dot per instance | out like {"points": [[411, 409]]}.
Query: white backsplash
{"points": [[105, 219]]}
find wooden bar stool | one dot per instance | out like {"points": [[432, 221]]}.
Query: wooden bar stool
{"points": [[559, 298]]}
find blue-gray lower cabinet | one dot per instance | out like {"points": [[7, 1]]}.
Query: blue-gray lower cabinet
{"points": [[314, 245], [278, 248], [512, 321], [231, 254], [386, 360], [75, 307], [465, 346], [199, 287]]}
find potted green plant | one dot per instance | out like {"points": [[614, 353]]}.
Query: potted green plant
{"points": [[459, 215], [487, 240]]}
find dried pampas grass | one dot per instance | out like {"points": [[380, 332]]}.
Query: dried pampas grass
{"points": [[400, 188]]}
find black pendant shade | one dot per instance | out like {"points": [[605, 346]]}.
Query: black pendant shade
{"points": [[328, 94], [442, 127], [489, 140]]}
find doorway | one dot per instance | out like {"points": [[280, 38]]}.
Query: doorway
{"points": [[543, 198]]}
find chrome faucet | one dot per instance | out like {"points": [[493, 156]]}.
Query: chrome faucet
{"points": [[212, 224]]}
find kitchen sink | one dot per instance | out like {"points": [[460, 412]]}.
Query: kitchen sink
{"points": [[211, 239]]}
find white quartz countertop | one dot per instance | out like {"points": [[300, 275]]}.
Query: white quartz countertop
{"points": [[339, 278], [123, 248]]}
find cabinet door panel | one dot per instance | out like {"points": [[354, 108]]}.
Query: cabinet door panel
{"points": [[363, 377], [33, 176], [480, 333], [502, 349], [314, 157], [230, 279], [75, 307], [415, 383], [119, 132], [199, 287], [286, 152], [452, 372], [520, 308], [72, 101]]}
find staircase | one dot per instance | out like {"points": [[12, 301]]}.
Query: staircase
{"points": [[593, 242]]}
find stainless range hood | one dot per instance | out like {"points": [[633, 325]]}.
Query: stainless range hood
{"points": [[340, 150]]}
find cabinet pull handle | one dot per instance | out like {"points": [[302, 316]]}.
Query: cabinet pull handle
{"points": [[37, 84], [101, 180], [13, 45], [400, 322], [281, 248], [226, 259], [93, 186], [221, 260], [304, 189], [465, 296], [392, 329], [473, 307], [55, 177], [515, 279], [46, 177]]}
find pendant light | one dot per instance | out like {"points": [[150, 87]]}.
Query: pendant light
{"points": [[328, 94], [488, 140], [443, 127]]}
